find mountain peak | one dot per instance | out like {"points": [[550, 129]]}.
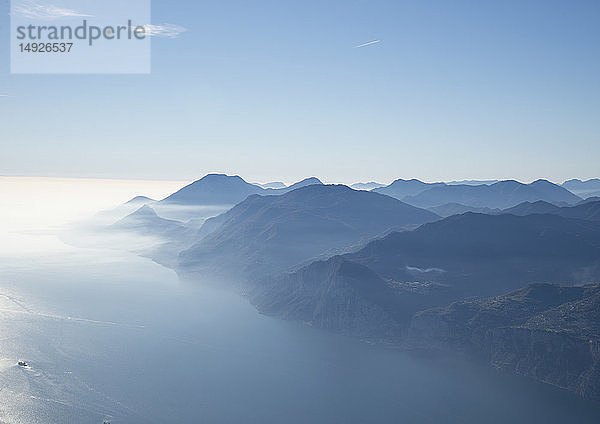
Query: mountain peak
{"points": [[146, 211], [214, 189], [542, 181], [305, 182], [366, 186], [220, 177], [140, 199]]}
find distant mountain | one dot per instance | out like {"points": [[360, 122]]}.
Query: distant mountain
{"points": [[591, 194], [271, 233], [528, 208], [145, 221], [502, 195], [214, 189], [583, 189], [140, 200], [220, 189], [403, 188], [110, 216], [544, 331], [366, 186], [149, 235], [473, 182], [275, 185], [450, 209], [587, 210], [303, 183], [589, 200]]}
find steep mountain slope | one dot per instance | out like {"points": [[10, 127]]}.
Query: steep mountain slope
{"points": [[500, 195], [461, 256], [545, 331], [484, 254], [336, 294], [271, 233], [342, 295]]}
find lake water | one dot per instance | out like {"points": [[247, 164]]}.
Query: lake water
{"points": [[111, 336]]}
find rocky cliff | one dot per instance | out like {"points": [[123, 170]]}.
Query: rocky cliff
{"points": [[544, 331]]}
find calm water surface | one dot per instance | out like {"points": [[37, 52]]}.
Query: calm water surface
{"points": [[112, 336]]}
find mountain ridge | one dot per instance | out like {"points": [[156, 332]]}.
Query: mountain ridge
{"points": [[222, 189], [278, 231], [501, 195]]}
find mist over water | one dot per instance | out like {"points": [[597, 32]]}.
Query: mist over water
{"points": [[112, 336]]}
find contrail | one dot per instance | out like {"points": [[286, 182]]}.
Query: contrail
{"points": [[367, 44]]}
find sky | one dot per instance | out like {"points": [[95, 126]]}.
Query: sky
{"points": [[278, 90]]}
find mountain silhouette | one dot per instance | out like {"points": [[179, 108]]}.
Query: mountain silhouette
{"points": [[585, 189], [145, 221], [501, 195], [366, 186], [221, 189], [403, 188], [270, 233]]}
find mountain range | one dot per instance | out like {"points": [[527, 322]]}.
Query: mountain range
{"points": [[400, 189], [502, 195], [504, 272], [585, 189], [586, 210], [264, 234], [366, 186], [476, 196]]}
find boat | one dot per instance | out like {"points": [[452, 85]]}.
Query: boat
{"points": [[22, 364]]}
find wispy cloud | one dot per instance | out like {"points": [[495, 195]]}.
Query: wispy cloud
{"points": [[34, 10], [367, 44], [164, 30]]}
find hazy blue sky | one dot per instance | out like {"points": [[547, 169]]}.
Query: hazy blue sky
{"points": [[277, 90]]}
